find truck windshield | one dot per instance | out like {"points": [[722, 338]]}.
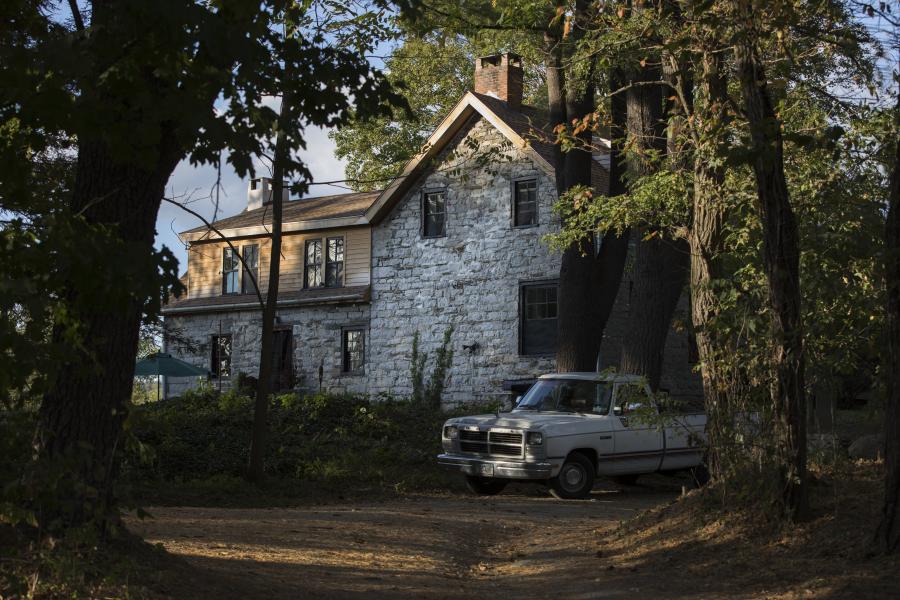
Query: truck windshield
{"points": [[568, 395]]}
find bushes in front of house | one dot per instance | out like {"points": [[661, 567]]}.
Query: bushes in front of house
{"points": [[198, 443]]}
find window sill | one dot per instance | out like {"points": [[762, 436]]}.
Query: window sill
{"points": [[534, 226], [433, 237]]}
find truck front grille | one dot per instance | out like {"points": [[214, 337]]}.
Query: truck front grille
{"points": [[499, 443]]}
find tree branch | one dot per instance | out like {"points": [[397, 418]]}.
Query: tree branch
{"points": [[212, 228]]}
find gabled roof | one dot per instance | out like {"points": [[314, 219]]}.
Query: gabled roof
{"points": [[526, 128], [324, 212]]}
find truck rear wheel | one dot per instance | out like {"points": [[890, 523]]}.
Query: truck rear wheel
{"points": [[485, 486], [575, 479]]}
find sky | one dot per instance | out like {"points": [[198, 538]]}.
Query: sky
{"points": [[192, 182]]}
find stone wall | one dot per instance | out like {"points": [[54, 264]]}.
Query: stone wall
{"points": [[316, 341], [470, 279]]}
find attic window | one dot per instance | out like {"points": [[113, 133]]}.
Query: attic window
{"points": [[434, 214], [525, 205]]}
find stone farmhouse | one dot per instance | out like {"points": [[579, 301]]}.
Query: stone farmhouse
{"points": [[456, 240]]}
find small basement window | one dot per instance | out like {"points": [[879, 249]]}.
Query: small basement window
{"points": [[434, 214], [220, 356], [539, 325], [525, 206], [353, 350]]}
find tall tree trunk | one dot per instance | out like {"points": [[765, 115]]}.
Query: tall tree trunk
{"points": [[556, 81], [589, 278], [81, 416], [660, 265], [706, 239], [256, 467], [888, 534], [781, 257]]}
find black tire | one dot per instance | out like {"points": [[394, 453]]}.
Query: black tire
{"points": [[699, 475], [626, 479], [575, 479], [485, 486]]}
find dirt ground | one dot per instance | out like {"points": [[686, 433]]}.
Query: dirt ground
{"points": [[520, 544]]}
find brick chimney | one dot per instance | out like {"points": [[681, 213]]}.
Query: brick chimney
{"points": [[500, 76]]}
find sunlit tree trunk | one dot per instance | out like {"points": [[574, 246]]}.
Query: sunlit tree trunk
{"points": [[706, 239]]}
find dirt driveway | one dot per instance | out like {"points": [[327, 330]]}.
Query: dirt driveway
{"points": [[521, 544]]}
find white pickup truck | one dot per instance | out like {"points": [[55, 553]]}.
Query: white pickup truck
{"points": [[569, 428]]}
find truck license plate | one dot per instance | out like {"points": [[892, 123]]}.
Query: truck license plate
{"points": [[487, 470]]}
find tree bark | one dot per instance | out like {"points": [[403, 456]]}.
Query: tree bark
{"points": [[256, 466], [706, 238], [781, 257], [887, 535], [589, 278], [81, 416], [660, 265]]}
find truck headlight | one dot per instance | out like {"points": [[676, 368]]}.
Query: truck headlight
{"points": [[451, 432], [535, 438]]}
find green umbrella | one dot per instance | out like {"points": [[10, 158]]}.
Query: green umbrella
{"points": [[161, 363]]}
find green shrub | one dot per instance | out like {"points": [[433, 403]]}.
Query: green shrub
{"points": [[200, 442]]}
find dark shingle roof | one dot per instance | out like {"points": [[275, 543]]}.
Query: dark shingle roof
{"points": [[355, 293], [336, 206]]}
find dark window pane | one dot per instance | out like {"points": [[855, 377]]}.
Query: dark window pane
{"points": [[539, 319], [334, 262], [435, 214], [220, 363], [229, 271], [251, 267], [525, 203], [353, 350], [313, 263]]}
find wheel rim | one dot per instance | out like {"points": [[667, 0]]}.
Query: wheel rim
{"points": [[572, 477]]}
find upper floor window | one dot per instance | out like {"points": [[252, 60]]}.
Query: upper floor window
{"points": [[434, 214], [539, 318], [313, 263], [251, 268], [229, 271], [220, 356], [327, 270], [525, 206], [334, 262]]}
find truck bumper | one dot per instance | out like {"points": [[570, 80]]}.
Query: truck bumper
{"points": [[488, 467]]}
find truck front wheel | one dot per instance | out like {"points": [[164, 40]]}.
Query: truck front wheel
{"points": [[485, 486], [575, 479]]}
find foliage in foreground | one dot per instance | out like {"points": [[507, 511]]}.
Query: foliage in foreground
{"points": [[196, 447]]}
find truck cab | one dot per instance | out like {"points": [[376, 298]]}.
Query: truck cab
{"points": [[570, 428]]}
